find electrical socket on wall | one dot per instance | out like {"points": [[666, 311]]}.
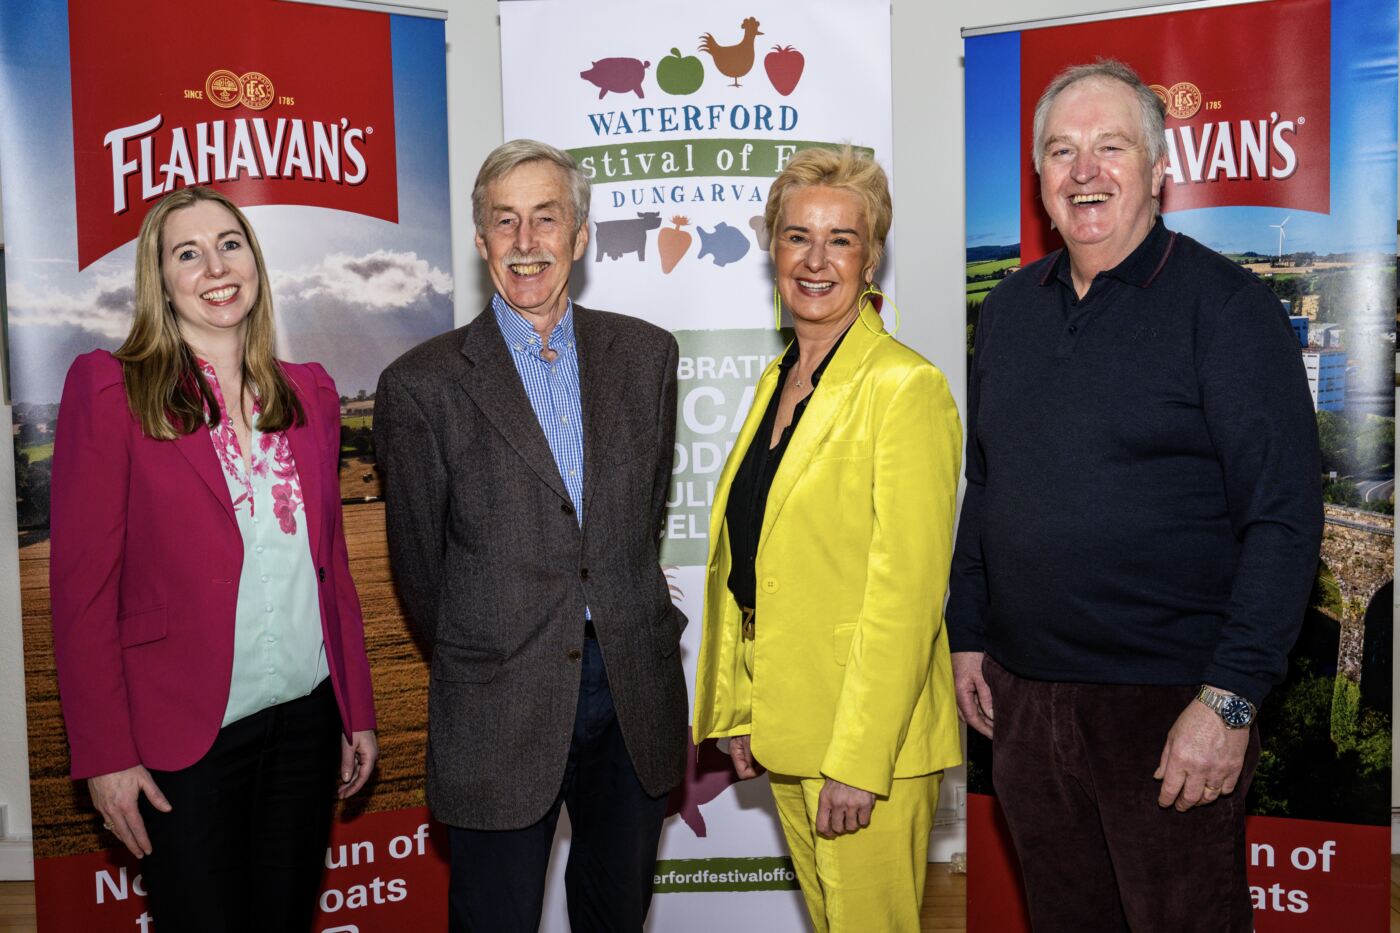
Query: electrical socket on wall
{"points": [[960, 801]]}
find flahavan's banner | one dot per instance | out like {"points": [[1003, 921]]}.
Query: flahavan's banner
{"points": [[1281, 155], [330, 127], [682, 115]]}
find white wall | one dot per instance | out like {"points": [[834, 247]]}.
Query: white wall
{"points": [[929, 211], [15, 833]]}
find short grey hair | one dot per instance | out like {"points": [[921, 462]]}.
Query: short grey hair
{"points": [[511, 155], [1105, 69]]}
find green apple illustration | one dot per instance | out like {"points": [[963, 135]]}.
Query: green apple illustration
{"points": [[679, 74]]}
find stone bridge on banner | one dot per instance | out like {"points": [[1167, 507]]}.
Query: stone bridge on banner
{"points": [[1358, 547]]}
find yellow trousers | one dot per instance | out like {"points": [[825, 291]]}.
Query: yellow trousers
{"points": [[869, 881]]}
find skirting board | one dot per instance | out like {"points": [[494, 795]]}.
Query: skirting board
{"points": [[949, 836], [17, 858]]}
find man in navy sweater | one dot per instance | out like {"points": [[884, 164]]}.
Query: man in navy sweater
{"points": [[1139, 536]]}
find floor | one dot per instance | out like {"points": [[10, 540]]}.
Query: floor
{"points": [[942, 913]]}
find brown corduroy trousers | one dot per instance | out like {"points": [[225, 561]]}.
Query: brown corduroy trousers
{"points": [[1072, 767]]}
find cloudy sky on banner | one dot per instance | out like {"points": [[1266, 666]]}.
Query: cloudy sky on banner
{"points": [[395, 279]]}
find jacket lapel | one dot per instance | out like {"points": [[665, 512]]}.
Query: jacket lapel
{"points": [[198, 448], [494, 385], [828, 398], [307, 456], [763, 393], [600, 390]]}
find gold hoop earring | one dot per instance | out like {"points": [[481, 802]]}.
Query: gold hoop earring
{"points": [[873, 289], [777, 307]]}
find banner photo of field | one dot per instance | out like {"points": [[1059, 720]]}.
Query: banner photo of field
{"points": [[682, 115], [1281, 149], [104, 108]]}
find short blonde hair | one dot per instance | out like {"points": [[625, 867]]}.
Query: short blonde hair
{"points": [[844, 169]]}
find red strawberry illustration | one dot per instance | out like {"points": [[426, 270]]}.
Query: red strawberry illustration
{"points": [[784, 66]]}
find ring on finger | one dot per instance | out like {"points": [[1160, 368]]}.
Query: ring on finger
{"points": [[1212, 788], [107, 825]]}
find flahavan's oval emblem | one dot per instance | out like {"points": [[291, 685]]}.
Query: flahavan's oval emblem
{"points": [[258, 91], [223, 88], [1183, 100]]}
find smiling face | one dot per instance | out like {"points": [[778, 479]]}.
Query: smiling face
{"points": [[529, 242], [1096, 180], [209, 273], [822, 254]]}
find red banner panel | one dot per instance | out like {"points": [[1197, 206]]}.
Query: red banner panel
{"points": [[286, 104], [1242, 130], [384, 871]]}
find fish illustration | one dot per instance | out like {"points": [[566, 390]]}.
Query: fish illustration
{"points": [[725, 243], [760, 231]]}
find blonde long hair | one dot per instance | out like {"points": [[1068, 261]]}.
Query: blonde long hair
{"points": [[165, 388]]}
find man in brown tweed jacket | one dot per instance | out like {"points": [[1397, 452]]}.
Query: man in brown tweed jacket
{"points": [[527, 459]]}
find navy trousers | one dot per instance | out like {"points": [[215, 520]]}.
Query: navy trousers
{"points": [[498, 876]]}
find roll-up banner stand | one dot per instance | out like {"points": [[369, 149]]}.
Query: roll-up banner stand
{"points": [[682, 115], [329, 126], [1281, 147]]}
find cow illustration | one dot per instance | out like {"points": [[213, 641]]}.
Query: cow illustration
{"points": [[617, 238]]}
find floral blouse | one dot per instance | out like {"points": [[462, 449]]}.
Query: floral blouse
{"points": [[278, 652]]}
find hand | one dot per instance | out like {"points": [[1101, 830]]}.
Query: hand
{"points": [[970, 687], [1202, 759], [742, 757], [357, 758], [842, 808], [115, 795]]}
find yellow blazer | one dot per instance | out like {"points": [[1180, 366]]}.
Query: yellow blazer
{"points": [[851, 672]]}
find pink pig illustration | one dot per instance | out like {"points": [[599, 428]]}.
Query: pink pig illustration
{"points": [[618, 75]]}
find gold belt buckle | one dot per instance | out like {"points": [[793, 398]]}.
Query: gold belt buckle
{"points": [[746, 627]]}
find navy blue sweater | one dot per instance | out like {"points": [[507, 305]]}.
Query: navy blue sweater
{"points": [[1143, 484]]}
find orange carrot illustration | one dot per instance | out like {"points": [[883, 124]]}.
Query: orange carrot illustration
{"points": [[673, 243]]}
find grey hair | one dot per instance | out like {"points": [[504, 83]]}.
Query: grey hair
{"points": [[515, 153], [1149, 105]]}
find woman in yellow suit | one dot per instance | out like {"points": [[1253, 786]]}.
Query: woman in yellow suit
{"points": [[823, 655]]}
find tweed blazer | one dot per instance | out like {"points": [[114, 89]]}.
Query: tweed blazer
{"points": [[495, 570]]}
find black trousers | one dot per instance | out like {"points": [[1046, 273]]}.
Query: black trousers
{"points": [[1072, 764], [497, 882], [244, 846]]}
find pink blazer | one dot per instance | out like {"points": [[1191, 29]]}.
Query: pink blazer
{"points": [[144, 569]]}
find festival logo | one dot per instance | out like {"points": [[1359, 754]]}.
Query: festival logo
{"points": [[211, 113], [732, 57]]}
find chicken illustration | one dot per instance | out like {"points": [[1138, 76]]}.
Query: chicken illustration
{"points": [[735, 60]]}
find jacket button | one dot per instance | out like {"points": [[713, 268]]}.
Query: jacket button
{"points": [[566, 508], [583, 574], [575, 654], [770, 585]]}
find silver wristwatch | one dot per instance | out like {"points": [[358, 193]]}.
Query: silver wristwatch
{"points": [[1235, 711]]}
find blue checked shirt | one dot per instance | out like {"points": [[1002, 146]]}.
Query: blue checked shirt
{"points": [[552, 388]]}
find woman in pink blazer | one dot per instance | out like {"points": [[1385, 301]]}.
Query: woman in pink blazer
{"points": [[208, 638]]}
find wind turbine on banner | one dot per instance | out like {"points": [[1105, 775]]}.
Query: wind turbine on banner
{"points": [[1279, 260]]}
